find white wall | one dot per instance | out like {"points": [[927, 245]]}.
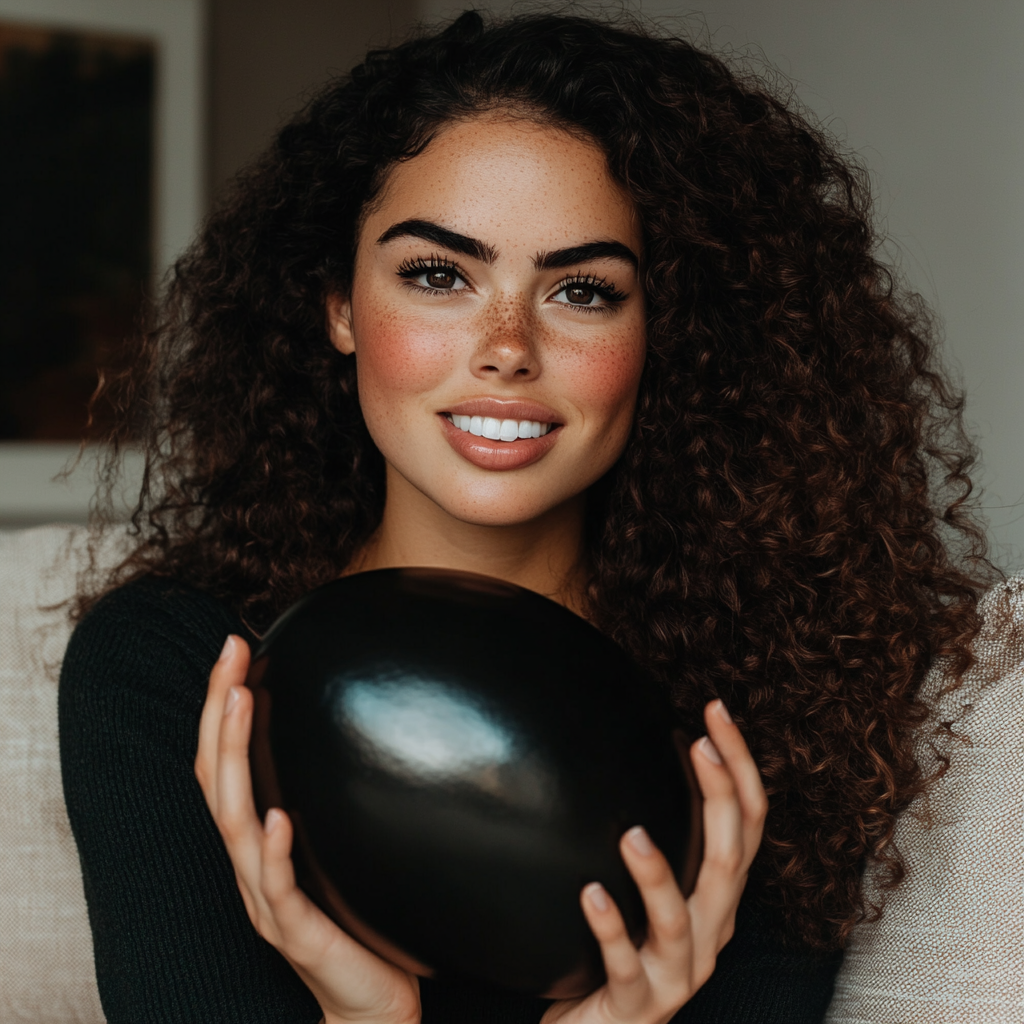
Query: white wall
{"points": [[930, 95]]}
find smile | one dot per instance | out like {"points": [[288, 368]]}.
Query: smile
{"points": [[499, 430], [497, 444]]}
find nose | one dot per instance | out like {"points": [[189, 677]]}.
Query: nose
{"points": [[507, 348]]}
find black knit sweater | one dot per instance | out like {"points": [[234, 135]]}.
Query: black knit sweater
{"points": [[172, 939]]}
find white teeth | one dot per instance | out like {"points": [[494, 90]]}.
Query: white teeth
{"points": [[500, 430]]}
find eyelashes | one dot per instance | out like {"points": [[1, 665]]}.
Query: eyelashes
{"points": [[446, 272], [599, 285], [410, 269]]}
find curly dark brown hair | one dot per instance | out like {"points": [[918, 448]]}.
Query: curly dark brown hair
{"points": [[788, 527]]}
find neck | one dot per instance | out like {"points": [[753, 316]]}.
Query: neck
{"points": [[544, 555]]}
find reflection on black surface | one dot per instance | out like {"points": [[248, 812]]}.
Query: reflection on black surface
{"points": [[422, 726], [430, 732]]}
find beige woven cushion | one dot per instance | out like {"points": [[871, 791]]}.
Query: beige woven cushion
{"points": [[949, 948], [46, 965]]}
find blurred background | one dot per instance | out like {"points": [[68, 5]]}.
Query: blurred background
{"points": [[121, 119]]}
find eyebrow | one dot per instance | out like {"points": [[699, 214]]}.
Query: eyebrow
{"points": [[557, 259], [561, 258], [431, 232]]}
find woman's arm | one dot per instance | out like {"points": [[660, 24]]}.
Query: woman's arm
{"points": [[172, 940]]}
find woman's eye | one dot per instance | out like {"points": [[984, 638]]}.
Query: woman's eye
{"points": [[443, 277], [588, 295], [580, 294], [439, 278]]}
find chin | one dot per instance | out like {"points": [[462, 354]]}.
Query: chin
{"points": [[477, 516], [492, 510]]}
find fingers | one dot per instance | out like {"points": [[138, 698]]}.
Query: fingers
{"points": [[724, 846], [236, 810], [320, 952], [230, 670], [729, 742], [261, 856], [684, 936], [297, 923], [222, 767], [734, 811], [345, 977], [651, 983], [668, 918], [627, 984]]}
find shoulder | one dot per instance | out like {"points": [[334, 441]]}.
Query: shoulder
{"points": [[132, 688], [143, 655], [164, 610], [151, 624]]}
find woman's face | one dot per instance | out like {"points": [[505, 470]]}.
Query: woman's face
{"points": [[496, 289]]}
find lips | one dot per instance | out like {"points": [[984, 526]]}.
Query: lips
{"points": [[497, 454]]}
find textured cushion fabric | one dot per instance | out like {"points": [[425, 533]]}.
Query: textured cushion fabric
{"points": [[949, 948], [46, 962]]}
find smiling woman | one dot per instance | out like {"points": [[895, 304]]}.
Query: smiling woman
{"points": [[568, 304], [495, 280]]}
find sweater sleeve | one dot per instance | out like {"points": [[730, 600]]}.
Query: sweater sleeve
{"points": [[759, 979], [172, 940]]}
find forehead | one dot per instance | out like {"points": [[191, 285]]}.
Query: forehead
{"points": [[510, 182]]}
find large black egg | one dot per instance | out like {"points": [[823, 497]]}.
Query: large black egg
{"points": [[460, 756]]}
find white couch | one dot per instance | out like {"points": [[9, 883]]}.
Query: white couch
{"points": [[46, 968], [949, 949]]}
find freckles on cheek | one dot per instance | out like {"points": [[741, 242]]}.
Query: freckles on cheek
{"points": [[605, 376], [394, 355]]}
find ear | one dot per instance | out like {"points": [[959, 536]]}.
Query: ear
{"points": [[339, 323]]}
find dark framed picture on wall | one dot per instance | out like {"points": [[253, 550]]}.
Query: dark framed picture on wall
{"points": [[101, 169]]}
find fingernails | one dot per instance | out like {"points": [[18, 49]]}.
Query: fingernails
{"points": [[597, 896], [709, 750], [640, 841], [232, 700], [722, 711], [272, 820], [227, 649]]}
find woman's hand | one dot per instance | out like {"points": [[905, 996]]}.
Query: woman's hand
{"points": [[684, 937], [349, 982]]}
